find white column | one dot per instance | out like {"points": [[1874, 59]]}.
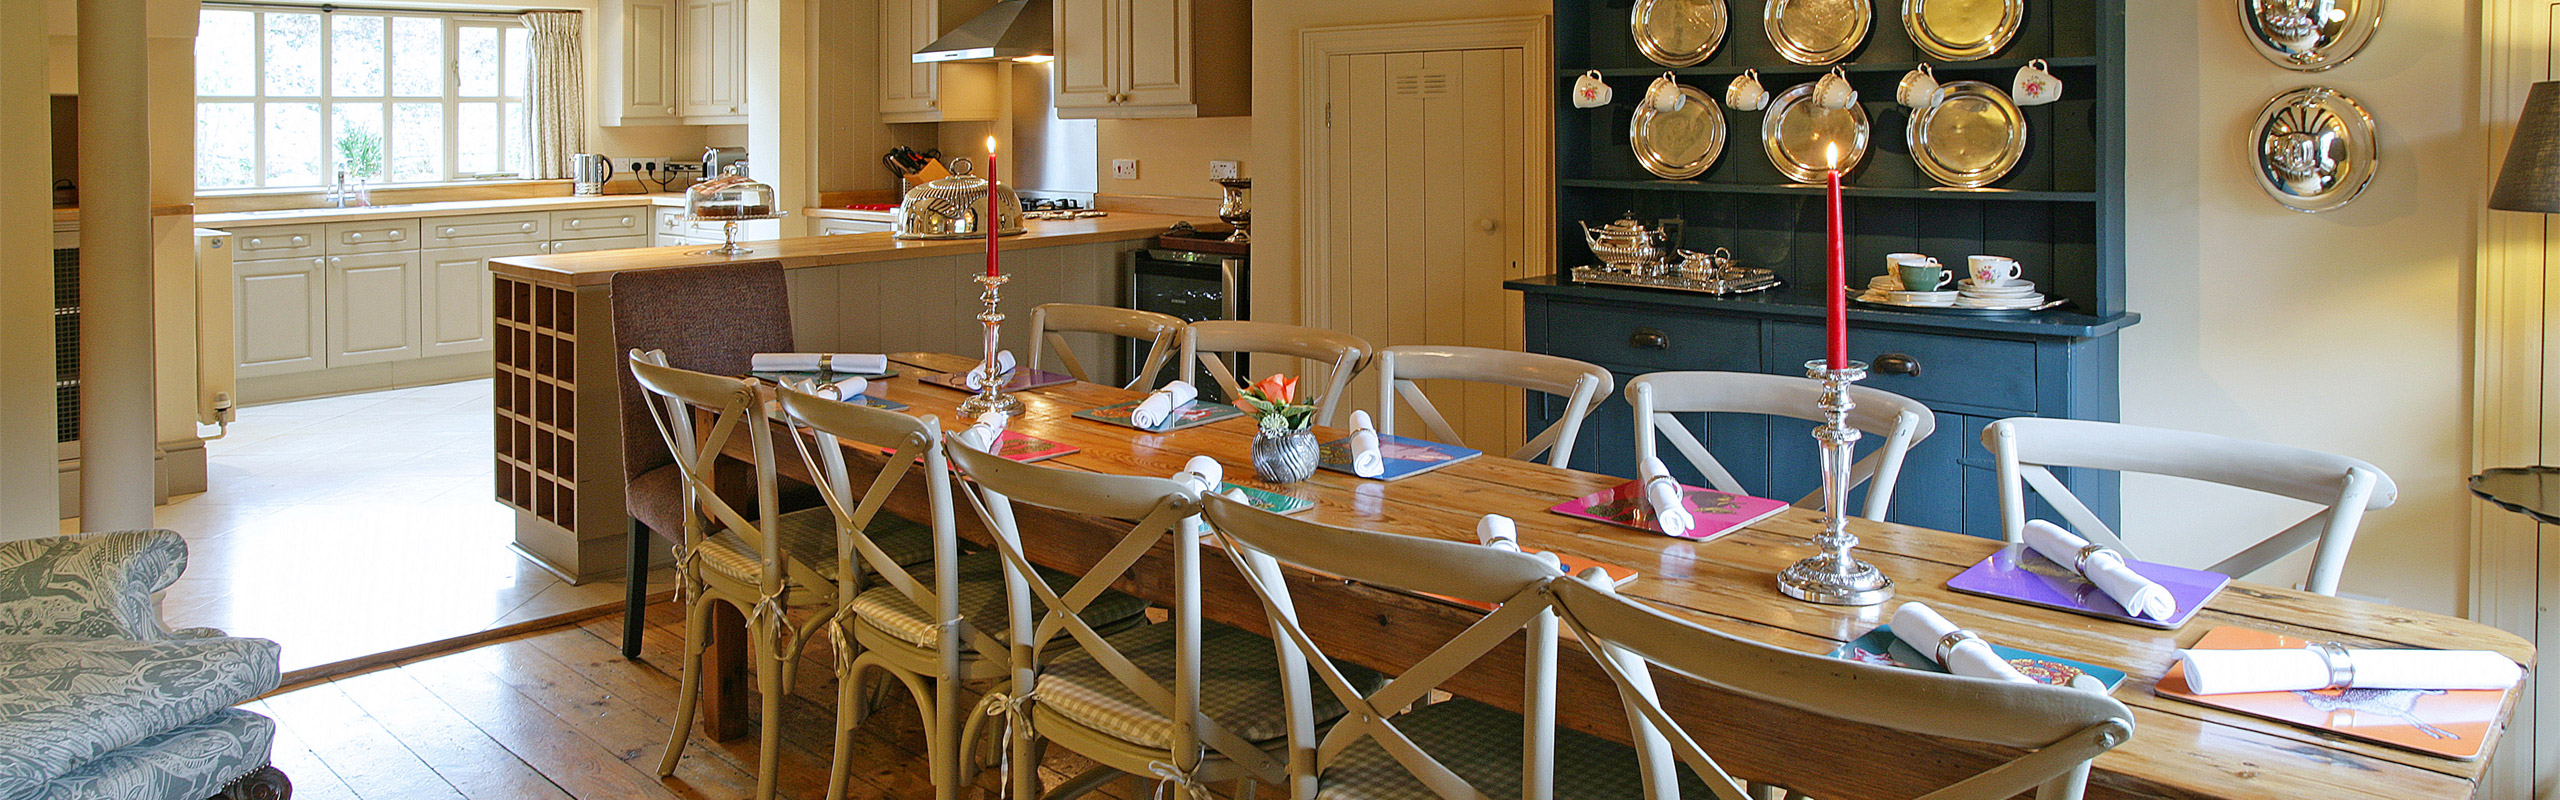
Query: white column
{"points": [[119, 427], [778, 100], [29, 495]]}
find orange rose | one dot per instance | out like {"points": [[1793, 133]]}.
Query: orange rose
{"points": [[1278, 389]]}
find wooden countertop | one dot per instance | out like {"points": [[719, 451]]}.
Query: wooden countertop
{"points": [[72, 213], [305, 216], [587, 269]]}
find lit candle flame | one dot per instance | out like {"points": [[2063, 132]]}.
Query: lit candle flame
{"points": [[991, 145], [1833, 149]]}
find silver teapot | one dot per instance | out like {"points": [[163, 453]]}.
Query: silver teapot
{"points": [[1625, 244]]}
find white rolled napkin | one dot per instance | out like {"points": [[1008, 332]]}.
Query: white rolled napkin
{"points": [[983, 434], [1662, 493], [1366, 461], [1496, 530], [2104, 568], [846, 389], [861, 363], [1202, 473], [1921, 627], [975, 378], [1161, 404], [2236, 671]]}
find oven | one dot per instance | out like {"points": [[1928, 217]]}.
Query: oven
{"points": [[1193, 278]]}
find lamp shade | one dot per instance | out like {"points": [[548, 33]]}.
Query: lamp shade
{"points": [[2530, 180]]}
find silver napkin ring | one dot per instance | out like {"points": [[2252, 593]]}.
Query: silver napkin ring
{"points": [[826, 362], [1947, 644], [2342, 670], [2080, 563]]}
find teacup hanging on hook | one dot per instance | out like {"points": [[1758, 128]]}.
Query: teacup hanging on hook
{"points": [[1664, 94], [1589, 91], [1919, 88], [1746, 93], [1833, 92], [2035, 86]]}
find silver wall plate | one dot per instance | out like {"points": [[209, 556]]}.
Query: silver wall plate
{"points": [[2309, 35], [1972, 137], [1678, 144], [1962, 30], [1799, 135], [2313, 149], [1678, 33], [1817, 31]]}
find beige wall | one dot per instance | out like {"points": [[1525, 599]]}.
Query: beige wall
{"points": [[2347, 331], [27, 490], [1173, 154]]}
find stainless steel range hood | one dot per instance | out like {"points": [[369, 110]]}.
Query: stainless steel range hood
{"points": [[1013, 29]]}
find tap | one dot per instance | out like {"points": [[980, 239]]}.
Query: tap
{"points": [[338, 194]]}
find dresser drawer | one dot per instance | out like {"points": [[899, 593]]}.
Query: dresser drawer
{"points": [[592, 245], [483, 229], [598, 223], [1996, 375], [1634, 338], [278, 241], [390, 235]]}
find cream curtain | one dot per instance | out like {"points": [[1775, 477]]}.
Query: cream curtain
{"points": [[557, 101]]}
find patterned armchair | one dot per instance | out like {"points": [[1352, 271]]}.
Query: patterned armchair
{"points": [[98, 699]]}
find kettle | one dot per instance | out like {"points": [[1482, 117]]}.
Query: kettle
{"points": [[588, 173]]}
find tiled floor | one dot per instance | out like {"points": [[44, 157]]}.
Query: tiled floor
{"points": [[348, 526]]}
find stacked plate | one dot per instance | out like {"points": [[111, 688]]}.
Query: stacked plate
{"points": [[2014, 294]]}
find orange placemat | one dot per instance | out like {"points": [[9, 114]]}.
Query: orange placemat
{"points": [[2453, 724]]}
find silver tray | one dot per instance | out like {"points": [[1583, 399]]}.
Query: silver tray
{"points": [[1972, 137], [1679, 144], [1962, 30], [2309, 35], [1736, 280], [1794, 133], [1953, 311], [2313, 149], [1678, 33], [1817, 31]]}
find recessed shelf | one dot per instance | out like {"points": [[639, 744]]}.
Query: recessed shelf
{"points": [[1958, 67], [1931, 193]]}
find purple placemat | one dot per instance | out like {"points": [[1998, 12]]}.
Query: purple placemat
{"points": [[1023, 380], [2017, 573]]}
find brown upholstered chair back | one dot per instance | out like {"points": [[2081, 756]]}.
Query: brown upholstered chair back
{"points": [[707, 319]]}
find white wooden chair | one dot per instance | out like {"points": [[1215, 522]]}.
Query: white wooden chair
{"points": [[2345, 488], [885, 613], [1183, 701], [1385, 746], [1162, 333], [1343, 354], [768, 566], [1901, 420], [1579, 383], [2063, 727]]}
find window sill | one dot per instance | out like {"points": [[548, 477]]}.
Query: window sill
{"points": [[378, 187], [229, 201]]}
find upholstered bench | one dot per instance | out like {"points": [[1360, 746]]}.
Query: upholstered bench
{"points": [[99, 700]]}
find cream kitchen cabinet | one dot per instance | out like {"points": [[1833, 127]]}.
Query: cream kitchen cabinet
{"points": [[592, 245], [276, 308], [674, 62], [454, 310], [372, 308], [912, 92], [1122, 59]]}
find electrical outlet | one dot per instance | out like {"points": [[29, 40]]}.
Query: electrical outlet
{"points": [[1222, 170], [1124, 169]]}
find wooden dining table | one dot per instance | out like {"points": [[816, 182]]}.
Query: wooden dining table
{"points": [[2178, 750]]}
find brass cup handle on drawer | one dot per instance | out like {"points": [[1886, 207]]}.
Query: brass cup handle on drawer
{"points": [[1897, 364], [1649, 339]]}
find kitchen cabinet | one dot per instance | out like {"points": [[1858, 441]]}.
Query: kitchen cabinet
{"points": [[912, 92], [276, 311], [674, 62], [592, 245], [372, 308], [483, 229], [841, 227], [600, 223], [1122, 59], [453, 296]]}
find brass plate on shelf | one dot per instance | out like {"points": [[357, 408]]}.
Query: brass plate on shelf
{"points": [[1678, 33], [2313, 148], [1798, 136], [1817, 31], [2309, 35], [1962, 30], [1973, 136], [1679, 144]]}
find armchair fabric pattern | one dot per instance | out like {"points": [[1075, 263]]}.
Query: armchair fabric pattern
{"points": [[93, 585]]}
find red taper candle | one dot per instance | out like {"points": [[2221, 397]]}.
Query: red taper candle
{"points": [[995, 221], [1836, 278]]}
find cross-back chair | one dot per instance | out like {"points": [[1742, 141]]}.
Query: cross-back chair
{"points": [[1161, 334], [1901, 420], [1343, 355], [2063, 728], [1578, 382], [1385, 746], [897, 579], [1185, 701], [766, 565], [2345, 488]]}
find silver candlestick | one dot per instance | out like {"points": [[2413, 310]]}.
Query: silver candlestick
{"points": [[991, 395], [1834, 576]]}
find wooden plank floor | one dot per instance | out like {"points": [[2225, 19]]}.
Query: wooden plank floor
{"points": [[559, 714]]}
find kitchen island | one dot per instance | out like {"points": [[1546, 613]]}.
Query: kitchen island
{"points": [[558, 420]]}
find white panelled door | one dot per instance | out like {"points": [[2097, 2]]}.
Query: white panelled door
{"points": [[1425, 213]]}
